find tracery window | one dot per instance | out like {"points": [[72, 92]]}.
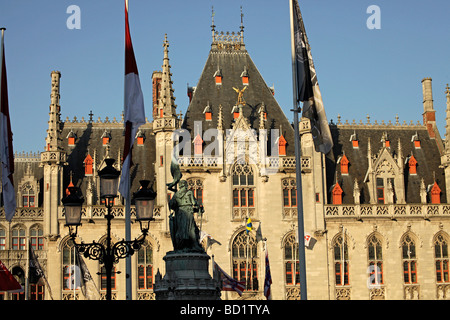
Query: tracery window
{"points": [[37, 238], [145, 267], [243, 186], [441, 258], [68, 263], [375, 254], [291, 261], [28, 195], [289, 193], [245, 260], [341, 260], [196, 185], [409, 260], [2, 239], [18, 238]]}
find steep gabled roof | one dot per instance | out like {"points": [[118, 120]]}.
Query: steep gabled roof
{"points": [[231, 61]]}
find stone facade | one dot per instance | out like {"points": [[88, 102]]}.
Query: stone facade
{"points": [[377, 219]]}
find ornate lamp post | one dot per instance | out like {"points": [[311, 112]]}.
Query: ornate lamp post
{"points": [[109, 181]]}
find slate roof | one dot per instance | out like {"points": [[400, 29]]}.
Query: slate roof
{"points": [[232, 64], [428, 158], [89, 138]]}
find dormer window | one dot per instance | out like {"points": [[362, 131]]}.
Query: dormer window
{"points": [[354, 140], [244, 76], [235, 112], [435, 194], [263, 110], [208, 113], [416, 141], [106, 137], [385, 140], [140, 138], [71, 138], [344, 164], [282, 146], [336, 193], [412, 165], [88, 165], [198, 145], [218, 77]]}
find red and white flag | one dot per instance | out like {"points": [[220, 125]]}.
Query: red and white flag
{"points": [[134, 113], [7, 281], [6, 146]]}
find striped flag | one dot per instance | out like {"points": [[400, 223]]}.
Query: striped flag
{"points": [[228, 283], [7, 281], [134, 113], [6, 145], [268, 279], [308, 90]]}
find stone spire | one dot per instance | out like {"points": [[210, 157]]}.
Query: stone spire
{"points": [[54, 124], [447, 122], [167, 99], [220, 119]]}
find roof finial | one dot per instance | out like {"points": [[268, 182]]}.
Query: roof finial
{"points": [[447, 90], [213, 26], [242, 26]]}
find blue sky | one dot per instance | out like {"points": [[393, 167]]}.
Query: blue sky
{"points": [[360, 71]]}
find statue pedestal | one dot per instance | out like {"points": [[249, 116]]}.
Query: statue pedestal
{"points": [[187, 278]]}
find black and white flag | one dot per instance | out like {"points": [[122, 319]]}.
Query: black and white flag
{"points": [[307, 89]]}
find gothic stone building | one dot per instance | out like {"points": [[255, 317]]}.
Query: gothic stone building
{"points": [[375, 207]]}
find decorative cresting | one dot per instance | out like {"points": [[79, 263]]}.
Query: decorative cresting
{"points": [[227, 41]]}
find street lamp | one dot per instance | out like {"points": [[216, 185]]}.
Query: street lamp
{"points": [[144, 200], [109, 254]]}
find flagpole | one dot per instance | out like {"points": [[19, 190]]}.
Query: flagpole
{"points": [[301, 231], [128, 238], [128, 289], [1, 86]]}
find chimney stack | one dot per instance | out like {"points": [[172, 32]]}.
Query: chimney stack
{"points": [[429, 114]]}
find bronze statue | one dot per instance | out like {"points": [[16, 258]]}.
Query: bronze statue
{"points": [[183, 230]]}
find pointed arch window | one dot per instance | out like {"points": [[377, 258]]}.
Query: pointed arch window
{"points": [[375, 255], [289, 193], [243, 186], [441, 258], [68, 262], [291, 261], [409, 260], [145, 267], [245, 260], [341, 260]]}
